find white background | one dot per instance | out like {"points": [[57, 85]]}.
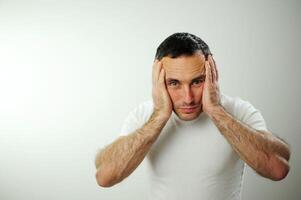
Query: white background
{"points": [[70, 71]]}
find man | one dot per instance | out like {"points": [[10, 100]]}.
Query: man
{"points": [[196, 139]]}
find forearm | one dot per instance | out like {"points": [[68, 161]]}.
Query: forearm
{"points": [[266, 154], [122, 157]]}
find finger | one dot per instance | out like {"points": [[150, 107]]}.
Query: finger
{"points": [[216, 70], [208, 73], [153, 71], [160, 67], [156, 71], [162, 77], [213, 69]]}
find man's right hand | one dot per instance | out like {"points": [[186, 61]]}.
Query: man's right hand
{"points": [[161, 98]]}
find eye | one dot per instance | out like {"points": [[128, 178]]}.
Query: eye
{"points": [[196, 82], [173, 83]]}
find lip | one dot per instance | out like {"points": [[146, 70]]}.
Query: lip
{"points": [[188, 109]]}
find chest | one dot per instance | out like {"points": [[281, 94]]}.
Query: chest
{"points": [[198, 149]]}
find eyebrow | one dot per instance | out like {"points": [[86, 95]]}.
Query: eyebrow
{"points": [[202, 76]]}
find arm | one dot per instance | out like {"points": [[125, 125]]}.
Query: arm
{"points": [[265, 153], [122, 157], [262, 151]]}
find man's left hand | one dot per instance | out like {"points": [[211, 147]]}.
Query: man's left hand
{"points": [[211, 93]]}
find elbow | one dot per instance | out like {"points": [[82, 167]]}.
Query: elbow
{"points": [[105, 178], [281, 173], [280, 168], [101, 181]]}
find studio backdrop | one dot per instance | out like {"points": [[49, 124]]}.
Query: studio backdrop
{"points": [[71, 71]]}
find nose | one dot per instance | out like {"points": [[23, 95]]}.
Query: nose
{"points": [[188, 95]]}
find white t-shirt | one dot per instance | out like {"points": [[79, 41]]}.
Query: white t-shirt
{"points": [[192, 159]]}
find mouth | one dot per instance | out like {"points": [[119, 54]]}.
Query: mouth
{"points": [[188, 109]]}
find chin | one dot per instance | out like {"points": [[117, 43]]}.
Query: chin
{"points": [[188, 116]]}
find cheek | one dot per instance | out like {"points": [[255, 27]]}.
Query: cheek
{"points": [[175, 95], [198, 93]]}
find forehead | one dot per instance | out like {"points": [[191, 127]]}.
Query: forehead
{"points": [[184, 67]]}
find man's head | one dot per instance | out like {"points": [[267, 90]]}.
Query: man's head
{"points": [[183, 57]]}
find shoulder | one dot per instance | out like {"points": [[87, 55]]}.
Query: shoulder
{"points": [[237, 106], [244, 111], [137, 117], [142, 111]]}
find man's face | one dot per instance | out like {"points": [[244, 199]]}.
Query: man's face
{"points": [[185, 78]]}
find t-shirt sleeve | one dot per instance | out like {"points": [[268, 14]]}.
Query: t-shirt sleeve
{"points": [[249, 115], [130, 124], [136, 118]]}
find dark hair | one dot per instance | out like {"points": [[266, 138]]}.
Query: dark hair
{"points": [[179, 44]]}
